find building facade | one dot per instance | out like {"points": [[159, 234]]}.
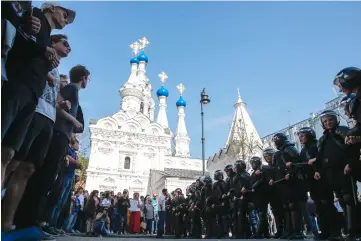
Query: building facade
{"points": [[313, 122], [130, 149]]}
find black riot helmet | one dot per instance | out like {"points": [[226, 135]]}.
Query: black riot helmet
{"points": [[349, 104], [333, 115], [193, 187], [348, 78], [268, 152], [279, 140], [256, 162], [240, 166], [208, 180], [218, 175], [309, 132], [178, 190], [228, 169]]}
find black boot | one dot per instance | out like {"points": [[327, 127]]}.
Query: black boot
{"points": [[262, 226], [279, 225], [287, 227], [296, 225]]}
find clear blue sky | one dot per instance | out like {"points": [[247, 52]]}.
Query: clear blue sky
{"points": [[282, 55]]}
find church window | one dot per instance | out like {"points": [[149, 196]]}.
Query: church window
{"points": [[127, 163]]}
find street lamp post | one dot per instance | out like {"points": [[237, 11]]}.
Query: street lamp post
{"points": [[204, 100]]}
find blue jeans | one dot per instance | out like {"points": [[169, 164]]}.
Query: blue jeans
{"points": [[100, 228], [123, 222], [314, 223], [161, 221], [115, 221], [70, 223], [149, 224], [64, 194], [156, 218], [254, 220]]}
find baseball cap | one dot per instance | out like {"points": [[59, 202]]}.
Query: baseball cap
{"points": [[71, 14]]}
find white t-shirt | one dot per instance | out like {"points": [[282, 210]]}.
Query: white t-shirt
{"points": [[106, 202], [134, 206], [47, 101], [161, 203], [81, 199]]}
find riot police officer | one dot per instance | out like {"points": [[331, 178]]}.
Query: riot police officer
{"points": [[195, 228], [220, 192], [228, 169], [349, 81], [275, 196], [309, 151], [260, 197], [333, 172], [180, 212], [241, 182], [286, 156], [207, 205]]}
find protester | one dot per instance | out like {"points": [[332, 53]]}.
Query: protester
{"points": [[134, 225], [101, 221], [27, 66], [76, 206], [68, 181], [43, 178], [161, 213], [36, 142], [123, 206], [156, 217], [149, 215], [90, 211]]}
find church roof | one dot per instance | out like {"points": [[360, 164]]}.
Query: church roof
{"points": [[183, 173], [242, 126]]}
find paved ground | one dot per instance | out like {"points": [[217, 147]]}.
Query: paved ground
{"points": [[133, 237], [73, 238]]}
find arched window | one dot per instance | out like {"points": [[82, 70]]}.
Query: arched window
{"points": [[127, 163]]}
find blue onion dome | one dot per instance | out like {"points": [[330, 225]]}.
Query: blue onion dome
{"points": [[181, 102], [134, 60], [143, 57], [162, 92]]}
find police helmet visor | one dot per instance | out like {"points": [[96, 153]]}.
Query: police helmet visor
{"points": [[342, 78], [329, 119]]}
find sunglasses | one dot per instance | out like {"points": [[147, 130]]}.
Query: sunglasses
{"points": [[66, 43]]}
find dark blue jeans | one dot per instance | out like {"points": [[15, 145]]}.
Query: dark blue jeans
{"points": [[161, 222], [150, 225], [100, 228], [123, 222], [115, 224], [65, 191]]}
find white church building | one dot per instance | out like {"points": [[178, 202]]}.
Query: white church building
{"points": [[133, 150]]}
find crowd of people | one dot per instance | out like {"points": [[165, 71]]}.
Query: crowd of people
{"points": [[41, 115]]}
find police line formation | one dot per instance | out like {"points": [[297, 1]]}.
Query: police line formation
{"points": [[327, 167]]}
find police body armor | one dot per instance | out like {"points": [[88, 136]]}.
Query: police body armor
{"points": [[221, 201], [240, 225], [334, 155]]}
